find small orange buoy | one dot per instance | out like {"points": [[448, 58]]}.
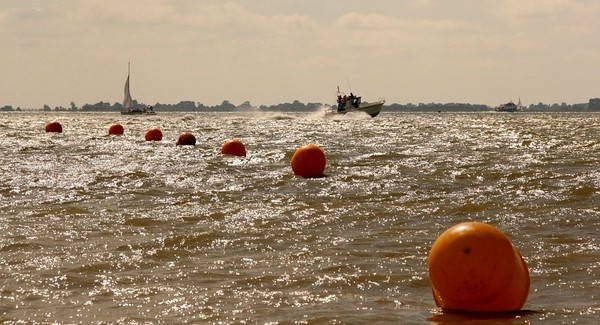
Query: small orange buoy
{"points": [[186, 139], [153, 134], [54, 127], [474, 267], [116, 129], [309, 161], [233, 147]]}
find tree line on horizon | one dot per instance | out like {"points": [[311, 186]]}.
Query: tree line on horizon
{"points": [[296, 106]]}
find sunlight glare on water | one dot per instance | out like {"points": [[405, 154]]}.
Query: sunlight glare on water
{"points": [[114, 229]]}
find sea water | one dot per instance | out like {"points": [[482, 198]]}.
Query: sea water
{"points": [[114, 229]]}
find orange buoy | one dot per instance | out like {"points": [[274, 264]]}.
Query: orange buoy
{"points": [[54, 127], [153, 134], [309, 161], [116, 129], [233, 147], [186, 139], [474, 267]]}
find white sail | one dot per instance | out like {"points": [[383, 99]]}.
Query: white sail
{"points": [[127, 101], [128, 105]]}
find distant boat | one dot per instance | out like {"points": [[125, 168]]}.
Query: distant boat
{"points": [[128, 107], [510, 107], [519, 106], [353, 103]]}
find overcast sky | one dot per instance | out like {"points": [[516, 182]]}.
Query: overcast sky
{"points": [[277, 51]]}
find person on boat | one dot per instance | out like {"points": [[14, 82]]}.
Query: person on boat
{"points": [[353, 100], [342, 106], [340, 103], [356, 101]]}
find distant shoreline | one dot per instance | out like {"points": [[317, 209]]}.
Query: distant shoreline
{"points": [[593, 105]]}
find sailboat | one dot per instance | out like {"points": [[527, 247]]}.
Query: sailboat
{"points": [[128, 107], [519, 105]]}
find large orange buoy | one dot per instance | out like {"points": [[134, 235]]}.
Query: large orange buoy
{"points": [[309, 161], [186, 139], [474, 267], [233, 147], [153, 134], [116, 129], [54, 127]]}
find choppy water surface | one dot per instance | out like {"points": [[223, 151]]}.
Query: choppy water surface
{"points": [[113, 229]]}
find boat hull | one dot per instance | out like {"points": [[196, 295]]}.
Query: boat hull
{"points": [[373, 109]]}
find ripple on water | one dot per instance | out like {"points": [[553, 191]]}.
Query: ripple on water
{"points": [[159, 233]]}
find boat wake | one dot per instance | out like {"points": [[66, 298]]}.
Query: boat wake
{"points": [[277, 116], [350, 116]]}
